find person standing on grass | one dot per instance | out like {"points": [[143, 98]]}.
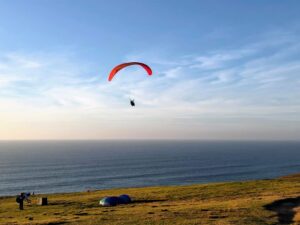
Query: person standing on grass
{"points": [[20, 199]]}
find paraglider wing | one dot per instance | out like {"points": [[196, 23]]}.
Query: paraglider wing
{"points": [[123, 65]]}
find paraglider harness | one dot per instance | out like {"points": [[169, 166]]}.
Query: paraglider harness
{"points": [[132, 103]]}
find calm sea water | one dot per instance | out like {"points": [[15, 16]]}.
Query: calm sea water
{"points": [[62, 166]]}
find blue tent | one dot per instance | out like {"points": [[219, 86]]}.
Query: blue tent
{"points": [[109, 201], [124, 199]]}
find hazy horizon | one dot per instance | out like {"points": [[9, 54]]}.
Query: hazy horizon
{"points": [[150, 140]]}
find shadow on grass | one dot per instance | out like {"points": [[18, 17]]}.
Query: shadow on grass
{"points": [[56, 223], [148, 201], [62, 203], [284, 209]]}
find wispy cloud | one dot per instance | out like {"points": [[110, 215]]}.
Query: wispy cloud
{"points": [[259, 73], [246, 85]]}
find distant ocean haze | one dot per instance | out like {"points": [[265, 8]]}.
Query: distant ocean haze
{"points": [[67, 166]]}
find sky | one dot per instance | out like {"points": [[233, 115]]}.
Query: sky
{"points": [[222, 70]]}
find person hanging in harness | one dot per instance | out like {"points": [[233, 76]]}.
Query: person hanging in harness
{"points": [[132, 103], [121, 66]]}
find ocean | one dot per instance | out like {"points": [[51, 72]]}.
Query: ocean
{"points": [[68, 166]]}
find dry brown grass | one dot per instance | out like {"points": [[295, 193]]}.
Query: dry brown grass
{"points": [[219, 203]]}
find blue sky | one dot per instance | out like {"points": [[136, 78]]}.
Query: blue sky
{"points": [[222, 69]]}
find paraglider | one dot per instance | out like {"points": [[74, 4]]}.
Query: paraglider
{"points": [[132, 103], [116, 69]]}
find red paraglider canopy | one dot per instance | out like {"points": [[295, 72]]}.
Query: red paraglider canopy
{"points": [[123, 65]]}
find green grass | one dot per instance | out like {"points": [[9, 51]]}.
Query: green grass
{"points": [[218, 203]]}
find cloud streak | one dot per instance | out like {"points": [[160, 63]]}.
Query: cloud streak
{"points": [[223, 90]]}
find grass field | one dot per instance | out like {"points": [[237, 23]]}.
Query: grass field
{"points": [[251, 202]]}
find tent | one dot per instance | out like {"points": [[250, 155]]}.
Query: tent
{"points": [[109, 201], [124, 199]]}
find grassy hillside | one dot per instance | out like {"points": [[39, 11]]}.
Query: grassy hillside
{"points": [[251, 202]]}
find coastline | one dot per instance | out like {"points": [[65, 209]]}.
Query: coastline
{"points": [[247, 202]]}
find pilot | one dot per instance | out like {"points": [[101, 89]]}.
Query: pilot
{"points": [[132, 102]]}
